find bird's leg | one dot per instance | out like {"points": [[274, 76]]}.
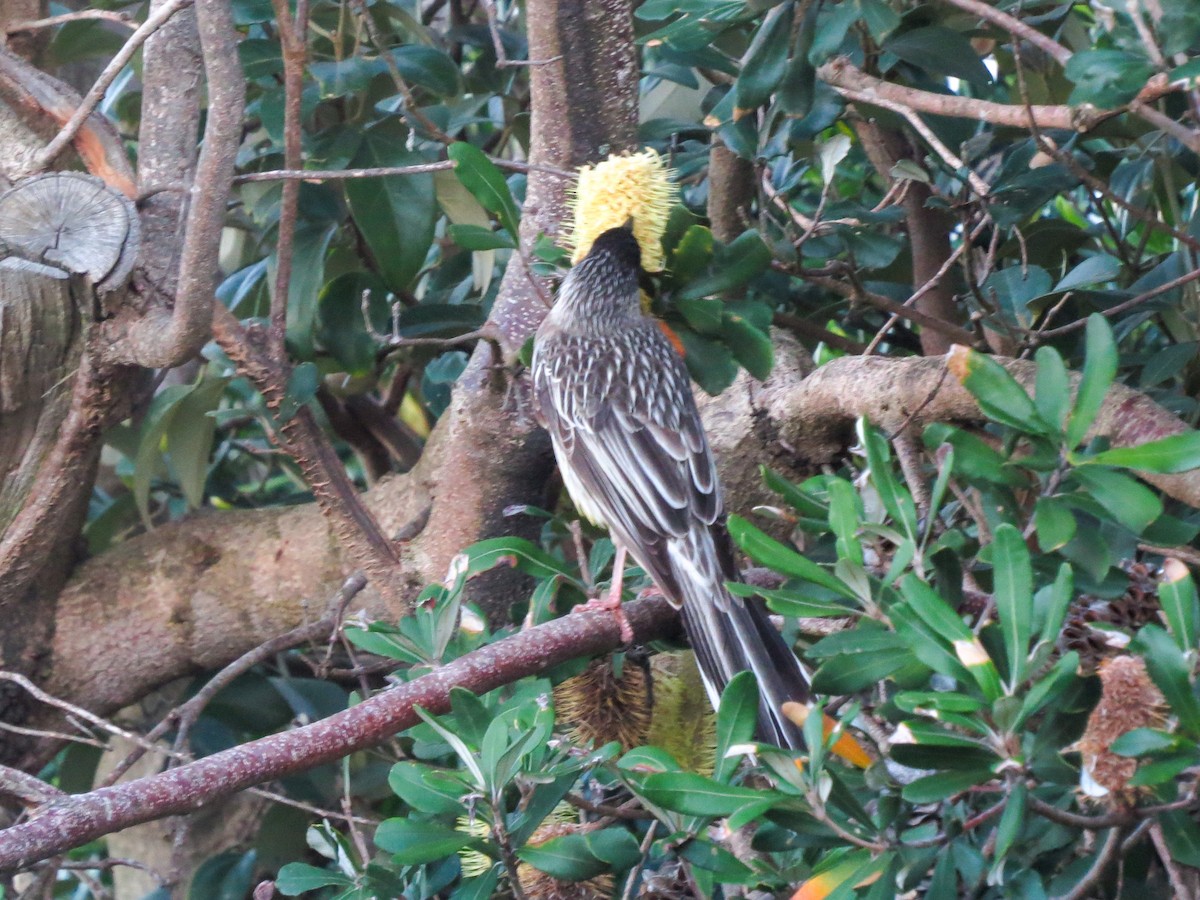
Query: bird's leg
{"points": [[612, 602]]}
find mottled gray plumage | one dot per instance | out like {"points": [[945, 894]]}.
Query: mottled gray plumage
{"points": [[616, 398]]}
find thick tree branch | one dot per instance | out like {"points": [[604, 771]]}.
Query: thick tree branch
{"points": [[160, 338], [74, 821]]}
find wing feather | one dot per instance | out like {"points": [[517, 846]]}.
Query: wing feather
{"points": [[621, 414]]}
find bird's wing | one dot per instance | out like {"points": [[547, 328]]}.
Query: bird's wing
{"points": [[621, 413], [632, 449]]}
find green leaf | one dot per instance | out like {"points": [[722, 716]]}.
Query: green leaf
{"points": [[486, 182], [938, 615], [736, 718], [1106, 78], [1052, 394], [1132, 504], [853, 672], [711, 857], [340, 325], [1013, 578], [1099, 369], [426, 789], [308, 274], [577, 857], [413, 842], [146, 464], [1093, 270], [792, 602], [702, 313], [998, 394], [1142, 741], [523, 554], [1170, 670], [1182, 836], [478, 237], [692, 254], [1177, 596], [461, 208], [1047, 687], [302, 385], [395, 215], [767, 551], [695, 795], [299, 878], [1053, 601], [429, 67], [1178, 453], [939, 786], [190, 438], [766, 59], [845, 517], [751, 347], [746, 257], [1011, 820], [1055, 523], [880, 18], [895, 497], [481, 887], [709, 362], [941, 51]]}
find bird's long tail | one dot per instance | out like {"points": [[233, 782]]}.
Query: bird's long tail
{"points": [[730, 635]]}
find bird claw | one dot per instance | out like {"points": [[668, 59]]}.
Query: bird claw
{"points": [[609, 603]]}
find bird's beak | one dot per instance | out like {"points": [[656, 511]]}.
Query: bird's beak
{"points": [[628, 224]]}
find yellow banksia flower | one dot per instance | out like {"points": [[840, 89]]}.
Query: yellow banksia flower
{"points": [[634, 185]]}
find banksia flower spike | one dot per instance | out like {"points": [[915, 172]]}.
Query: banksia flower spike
{"points": [[635, 186]]}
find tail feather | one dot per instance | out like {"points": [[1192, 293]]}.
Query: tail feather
{"points": [[730, 635]]}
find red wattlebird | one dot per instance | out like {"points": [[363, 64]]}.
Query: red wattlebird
{"points": [[615, 396]]}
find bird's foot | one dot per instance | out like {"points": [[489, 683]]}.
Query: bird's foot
{"points": [[652, 591], [611, 602]]}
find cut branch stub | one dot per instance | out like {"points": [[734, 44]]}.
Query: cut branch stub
{"points": [[74, 222]]}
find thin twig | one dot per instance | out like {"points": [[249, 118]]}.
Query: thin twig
{"points": [[119, 16], [1186, 278], [1015, 27], [502, 60], [956, 164], [412, 111], [644, 850], [385, 171], [293, 33], [93, 97], [1104, 859], [187, 714]]}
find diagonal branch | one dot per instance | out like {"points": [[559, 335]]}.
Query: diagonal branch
{"points": [[93, 97], [1015, 27], [166, 339], [74, 821]]}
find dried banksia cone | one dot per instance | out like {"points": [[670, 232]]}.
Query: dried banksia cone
{"points": [[635, 186], [537, 885], [1128, 700], [599, 705]]}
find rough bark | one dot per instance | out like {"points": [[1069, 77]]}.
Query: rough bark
{"points": [[928, 232], [731, 190]]}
